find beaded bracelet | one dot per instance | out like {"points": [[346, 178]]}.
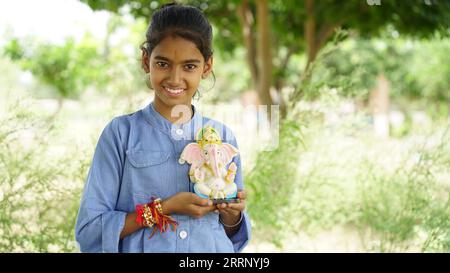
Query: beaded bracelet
{"points": [[147, 214], [151, 215], [235, 225]]}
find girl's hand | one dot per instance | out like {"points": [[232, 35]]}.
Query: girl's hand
{"points": [[187, 203], [230, 212]]}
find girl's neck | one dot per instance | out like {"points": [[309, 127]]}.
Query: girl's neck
{"points": [[177, 118]]}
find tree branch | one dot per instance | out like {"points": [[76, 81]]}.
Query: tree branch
{"points": [[324, 33]]}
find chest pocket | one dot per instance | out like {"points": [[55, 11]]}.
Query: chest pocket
{"points": [[147, 172]]}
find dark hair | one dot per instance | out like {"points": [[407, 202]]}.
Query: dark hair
{"points": [[183, 21]]}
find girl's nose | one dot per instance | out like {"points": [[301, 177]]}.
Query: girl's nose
{"points": [[175, 77]]}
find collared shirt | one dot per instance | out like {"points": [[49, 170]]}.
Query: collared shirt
{"points": [[136, 158]]}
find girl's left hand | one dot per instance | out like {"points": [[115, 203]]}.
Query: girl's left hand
{"points": [[230, 212]]}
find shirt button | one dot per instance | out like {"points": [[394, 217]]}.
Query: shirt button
{"points": [[183, 234], [179, 132]]}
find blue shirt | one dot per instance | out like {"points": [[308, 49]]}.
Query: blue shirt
{"points": [[136, 158]]}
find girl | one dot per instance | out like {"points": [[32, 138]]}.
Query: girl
{"points": [[138, 197]]}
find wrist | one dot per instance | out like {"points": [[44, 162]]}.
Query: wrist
{"points": [[230, 219], [153, 215], [166, 207]]}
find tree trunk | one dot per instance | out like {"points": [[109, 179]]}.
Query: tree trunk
{"points": [[259, 55], [310, 33], [246, 19], [315, 39], [59, 107], [264, 52], [279, 84], [379, 103]]}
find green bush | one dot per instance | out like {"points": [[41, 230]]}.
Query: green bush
{"points": [[40, 191], [271, 183], [409, 207], [393, 193]]}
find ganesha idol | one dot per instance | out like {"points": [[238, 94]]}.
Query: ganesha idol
{"points": [[209, 158]]}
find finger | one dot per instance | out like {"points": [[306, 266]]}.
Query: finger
{"points": [[229, 211], [222, 206], [207, 209], [242, 194], [237, 206], [197, 200]]}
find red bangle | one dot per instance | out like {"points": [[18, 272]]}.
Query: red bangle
{"points": [[151, 215], [139, 217]]}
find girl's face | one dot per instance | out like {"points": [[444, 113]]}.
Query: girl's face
{"points": [[176, 68]]}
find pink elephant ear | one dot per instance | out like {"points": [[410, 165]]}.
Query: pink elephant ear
{"points": [[192, 153], [228, 152]]}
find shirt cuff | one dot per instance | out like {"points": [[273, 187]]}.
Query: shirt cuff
{"points": [[112, 225], [241, 238]]}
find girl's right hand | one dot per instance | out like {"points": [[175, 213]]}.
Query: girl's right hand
{"points": [[187, 203]]}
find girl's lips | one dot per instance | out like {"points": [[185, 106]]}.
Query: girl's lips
{"points": [[174, 92]]}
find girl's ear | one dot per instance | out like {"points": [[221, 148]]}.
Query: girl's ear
{"points": [[145, 61], [207, 68]]}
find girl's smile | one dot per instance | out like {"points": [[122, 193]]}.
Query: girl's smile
{"points": [[174, 92]]}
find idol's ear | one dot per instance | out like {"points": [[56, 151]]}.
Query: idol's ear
{"points": [[228, 151], [192, 153]]}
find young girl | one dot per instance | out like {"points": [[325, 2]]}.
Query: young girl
{"points": [[138, 197]]}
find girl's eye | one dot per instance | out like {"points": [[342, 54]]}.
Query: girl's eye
{"points": [[162, 64], [190, 66]]}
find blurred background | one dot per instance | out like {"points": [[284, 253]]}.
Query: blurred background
{"points": [[361, 157]]}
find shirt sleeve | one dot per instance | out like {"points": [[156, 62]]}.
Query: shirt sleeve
{"points": [[241, 238], [99, 225]]}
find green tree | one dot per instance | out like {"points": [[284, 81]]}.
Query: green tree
{"points": [[416, 68], [70, 68], [370, 19], [273, 31]]}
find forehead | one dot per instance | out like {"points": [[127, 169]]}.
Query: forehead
{"points": [[210, 146], [177, 49]]}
